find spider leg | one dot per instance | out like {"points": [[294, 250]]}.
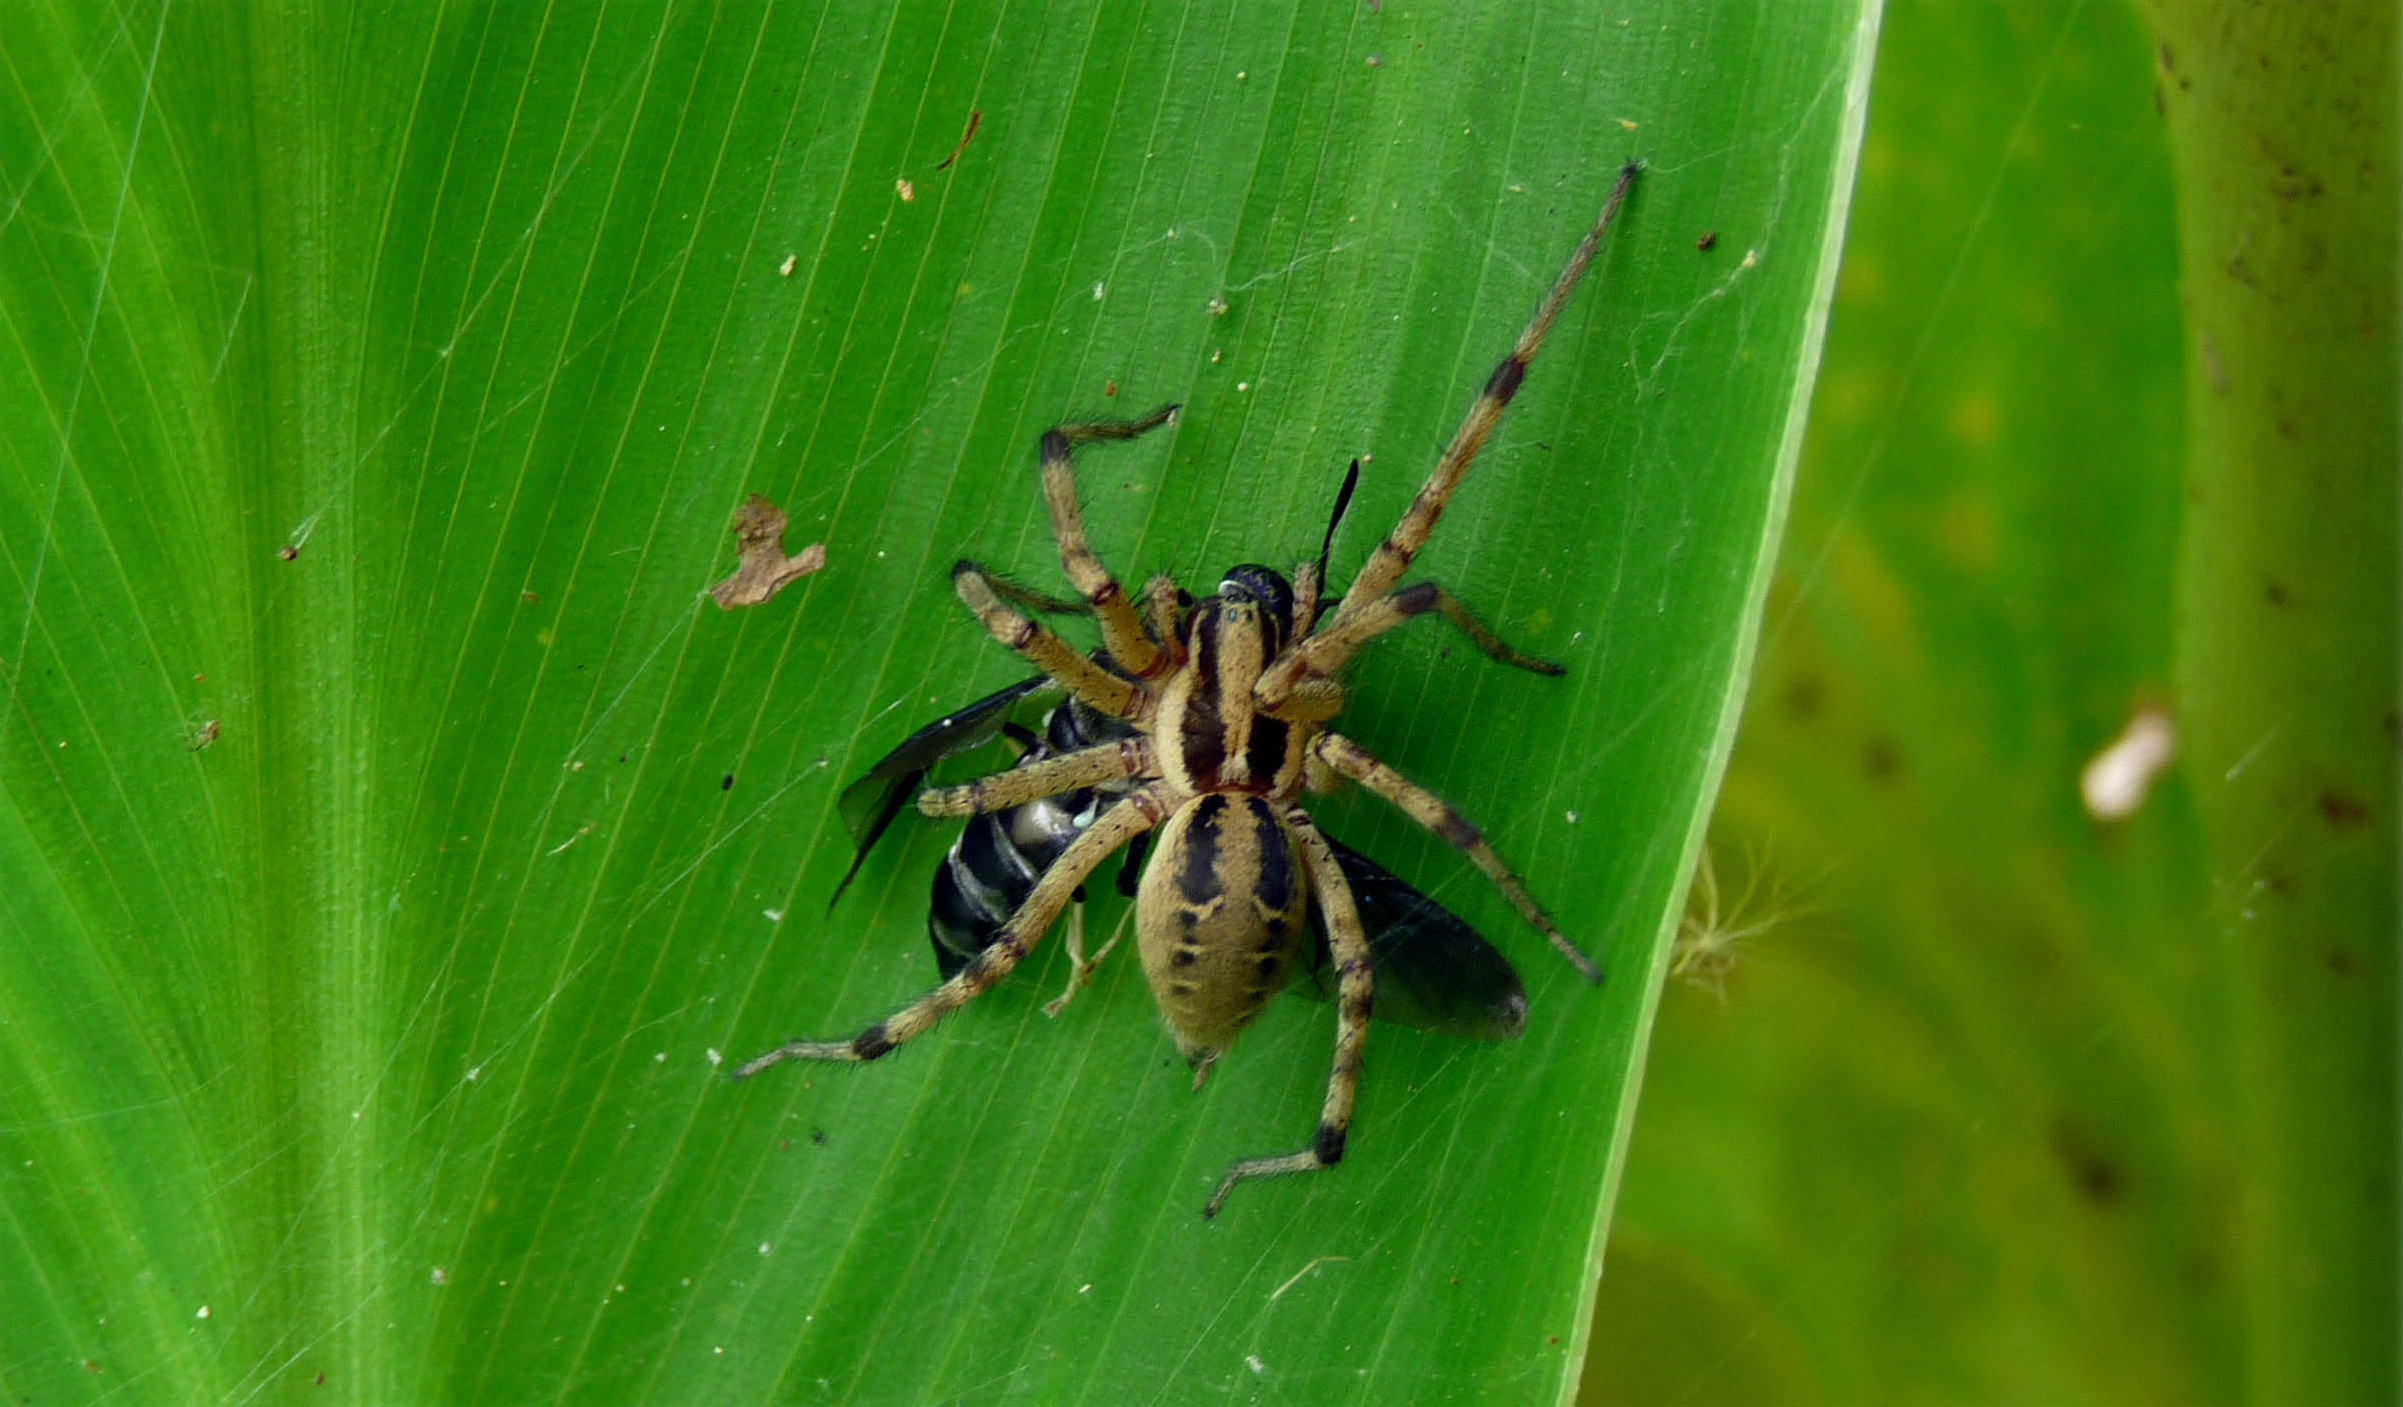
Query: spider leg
{"points": [[1139, 812], [1080, 967], [1121, 629], [1031, 781], [1026, 598], [1354, 995], [1329, 650], [1306, 585], [1162, 604], [1423, 806], [1036, 642], [1312, 701], [1393, 555]]}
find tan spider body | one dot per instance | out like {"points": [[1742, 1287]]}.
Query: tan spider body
{"points": [[1229, 699]]}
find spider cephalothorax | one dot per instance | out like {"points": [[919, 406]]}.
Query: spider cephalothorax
{"points": [[1227, 699]]}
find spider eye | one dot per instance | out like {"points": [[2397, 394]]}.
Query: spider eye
{"points": [[1266, 585]]}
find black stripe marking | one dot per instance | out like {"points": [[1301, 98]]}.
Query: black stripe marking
{"points": [[1205, 654], [872, 1042], [1328, 1146], [1275, 889], [1264, 753], [1417, 597], [1197, 878], [1202, 730], [1055, 447]]}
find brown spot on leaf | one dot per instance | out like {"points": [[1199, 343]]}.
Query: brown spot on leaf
{"points": [[2342, 810], [764, 569], [974, 117], [2091, 1170]]}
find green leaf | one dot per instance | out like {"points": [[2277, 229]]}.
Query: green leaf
{"points": [[399, 840], [2282, 132], [2006, 1102]]}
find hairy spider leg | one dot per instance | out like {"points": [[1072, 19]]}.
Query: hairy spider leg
{"points": [[1032, 781], [1045, 650], [1163, 603], [1327, 651], [1383, 614], [1138, 812], [1121, 629], [1429, 810], [1355, 994]]}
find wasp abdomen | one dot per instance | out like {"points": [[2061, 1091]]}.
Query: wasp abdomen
{"points": [[994, 864], [1217, 917]]}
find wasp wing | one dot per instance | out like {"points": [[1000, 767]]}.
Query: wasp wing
{"points": [[1433, 971], [870, 805]]}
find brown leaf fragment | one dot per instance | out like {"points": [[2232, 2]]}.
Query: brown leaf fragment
{"points": [[764, 569]]}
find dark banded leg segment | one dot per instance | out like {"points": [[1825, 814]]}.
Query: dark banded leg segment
{"points": [[1031, 781], [1045, 650], [1121, 629], [1393, 555], [1429, 810], [1139, 812], [1355, 994], [1325, 653]]}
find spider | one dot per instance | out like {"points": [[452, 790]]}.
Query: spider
{"points": [[1229, 698]]}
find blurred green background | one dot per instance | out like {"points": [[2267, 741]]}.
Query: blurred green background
{"points": [[1992, 1101]]}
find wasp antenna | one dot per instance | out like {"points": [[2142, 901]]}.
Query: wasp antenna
{"points": [[1343, 500]]}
